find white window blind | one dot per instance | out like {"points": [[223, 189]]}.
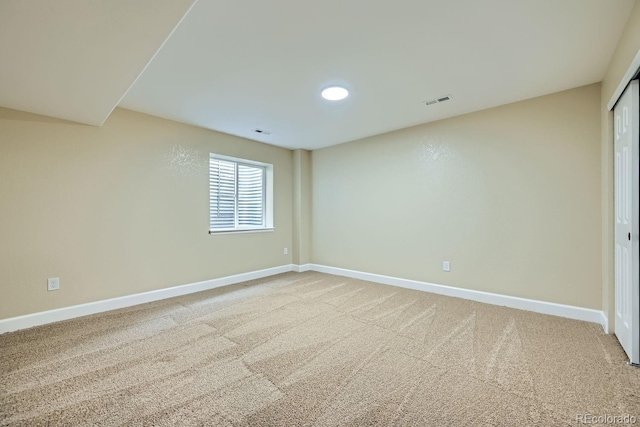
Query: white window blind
{"points": [[250, 196], [237, 195]]}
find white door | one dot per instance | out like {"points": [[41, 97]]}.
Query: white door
{"points": [[627, 185]]}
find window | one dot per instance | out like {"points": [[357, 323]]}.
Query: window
{"points": [[240, 195]]}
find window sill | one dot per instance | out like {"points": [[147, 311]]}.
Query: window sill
{"points": [[242, 231]]}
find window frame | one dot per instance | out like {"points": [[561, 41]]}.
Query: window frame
{"points": [[267, 196]]}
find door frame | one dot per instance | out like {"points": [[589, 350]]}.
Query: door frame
{"points": [[633, 72]]}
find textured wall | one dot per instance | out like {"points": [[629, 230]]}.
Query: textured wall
{"points": [[510, 195], [120, 209]]}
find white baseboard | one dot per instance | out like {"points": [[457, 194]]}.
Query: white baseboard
{"points": [[301, 268], [561, 310], [604, 321], [65, 313]]}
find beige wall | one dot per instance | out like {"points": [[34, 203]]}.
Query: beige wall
{"points": [[626, 50], [301, 207], [120, 209], [510, 195]]}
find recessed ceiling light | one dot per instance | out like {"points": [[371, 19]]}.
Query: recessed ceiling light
{"points": [[335, 93]]}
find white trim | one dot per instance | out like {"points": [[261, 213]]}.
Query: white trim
{"points": [[631, 71], [239, 160], [604, 321], [241, 231], [267, 194], [65, 313], [543, 307], [302, 268]]}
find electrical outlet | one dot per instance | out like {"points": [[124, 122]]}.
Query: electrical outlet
{"points": [[446, 266], [53, 284], [286, 251]]}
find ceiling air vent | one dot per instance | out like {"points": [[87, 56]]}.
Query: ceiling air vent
{"points": [[262, 131], [437, 100]]}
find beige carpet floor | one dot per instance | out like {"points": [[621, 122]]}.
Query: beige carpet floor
{"points": [[310, 349]]}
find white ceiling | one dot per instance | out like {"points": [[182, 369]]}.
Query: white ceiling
{"points": [[75, 59], [234, 66]]}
